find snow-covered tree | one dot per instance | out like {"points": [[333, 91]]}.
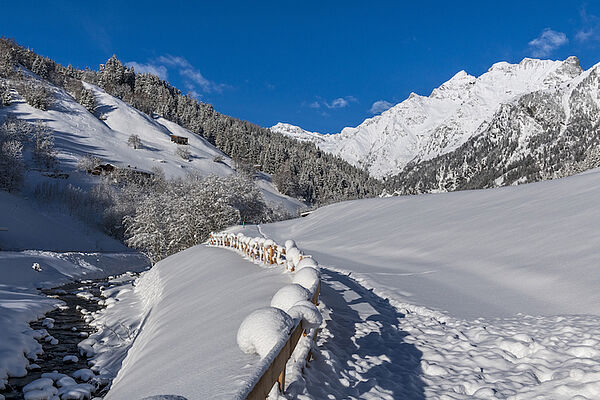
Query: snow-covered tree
{"points": [[12, 168], [43, 145], [36, 95], [134, 141], [184, 153], [184, 212]]}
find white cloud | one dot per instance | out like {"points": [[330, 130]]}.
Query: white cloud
{"points": [[193, 80], [547, 42], [590, 28], [583, 35], [154, 69], [380, 106], [187, 70], [340, 102]]}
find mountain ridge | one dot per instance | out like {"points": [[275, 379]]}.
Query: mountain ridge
{"points": [[421, 128]]}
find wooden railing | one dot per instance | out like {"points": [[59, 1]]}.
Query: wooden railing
{"points": [[274, 365]]}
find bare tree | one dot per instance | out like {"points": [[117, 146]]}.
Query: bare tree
{"points": [[134, 141]]}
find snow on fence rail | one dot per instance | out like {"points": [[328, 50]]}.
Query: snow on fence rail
{"points": [[289, 327]]}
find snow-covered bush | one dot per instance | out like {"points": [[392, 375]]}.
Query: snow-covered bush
{"points": [[263, 329], [43, 145], [88, 162], [13, 133], [11, 165], [182, 213], [5, 96]]}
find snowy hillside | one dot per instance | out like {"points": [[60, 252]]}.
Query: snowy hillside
{"points": [[78, 133], [421, 128]]}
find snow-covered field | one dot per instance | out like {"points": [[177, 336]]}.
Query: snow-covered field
{"points": [[478, 294]]}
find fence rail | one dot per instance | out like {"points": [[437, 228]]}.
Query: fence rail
{"points": [[268, 252]]}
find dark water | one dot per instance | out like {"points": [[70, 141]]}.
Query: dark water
{"points": [[65, 320]]}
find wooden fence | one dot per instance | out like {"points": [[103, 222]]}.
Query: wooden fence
{"points": [[269, 252]]}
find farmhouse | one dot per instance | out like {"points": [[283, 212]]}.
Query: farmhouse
{"points": [[179, 139]]}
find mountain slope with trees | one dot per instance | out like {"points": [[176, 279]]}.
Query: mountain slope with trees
{"points": [[299, 169]]}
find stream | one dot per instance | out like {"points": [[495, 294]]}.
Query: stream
{"points": [[69, 325]]}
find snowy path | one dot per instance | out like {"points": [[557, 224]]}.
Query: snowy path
{"points": [[363, 353], [371, 349]]}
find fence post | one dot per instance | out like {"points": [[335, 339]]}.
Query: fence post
{"points": [[281, 381]]}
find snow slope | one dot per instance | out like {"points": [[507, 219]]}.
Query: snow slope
{"points": [[195, 302], [497, 252], [421, 128], [34, 227], [78, 132]]}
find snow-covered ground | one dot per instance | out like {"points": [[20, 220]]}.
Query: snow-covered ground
{"points": [[477, 294], [193, 304], [529, 249]]}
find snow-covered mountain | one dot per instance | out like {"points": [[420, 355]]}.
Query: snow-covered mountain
{"points": [[421, 128]]}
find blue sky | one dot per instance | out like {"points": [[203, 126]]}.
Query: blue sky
{"points": [[322, 65]]}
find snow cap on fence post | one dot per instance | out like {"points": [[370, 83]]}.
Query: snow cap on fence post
{"points": [[306, 312], [307, 277], [263, 329], [289, 244], [307, 262], [289, 295]]}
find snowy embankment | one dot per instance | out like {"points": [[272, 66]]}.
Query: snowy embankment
{"points": [[207, 322], [478, 294], [21, 303], [194, 303]]}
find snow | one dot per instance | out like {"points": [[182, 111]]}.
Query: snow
{"points": [[289, 295], [306, 312], [83, 374], [307, 277], [467, 295], [306, 262], [496, 252], [34, 227], [420, 128], [263, 329], [186, 345]]}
